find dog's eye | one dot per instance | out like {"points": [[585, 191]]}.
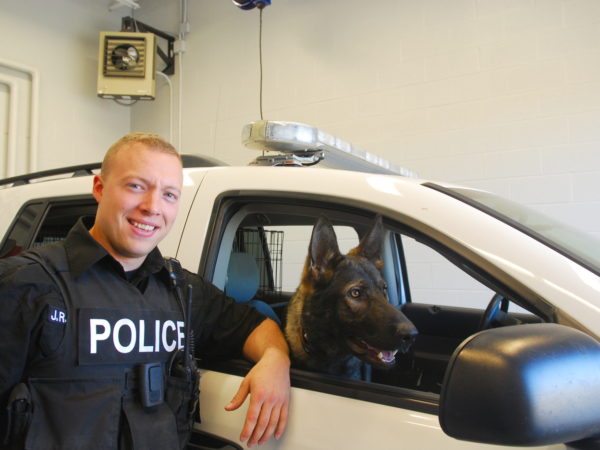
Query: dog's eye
{"points": [[355, 292]]}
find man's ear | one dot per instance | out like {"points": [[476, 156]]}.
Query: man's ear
{"points": [[98, 188]]}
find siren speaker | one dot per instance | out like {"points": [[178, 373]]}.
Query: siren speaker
{"points": [[126, 65]]}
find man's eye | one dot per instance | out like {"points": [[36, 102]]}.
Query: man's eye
{"points": [[171, 196]]}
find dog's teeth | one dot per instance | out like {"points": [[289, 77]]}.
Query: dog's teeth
{"points": [[387, 355]]}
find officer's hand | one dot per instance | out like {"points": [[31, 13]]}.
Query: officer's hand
{"points": [[268, 384]]}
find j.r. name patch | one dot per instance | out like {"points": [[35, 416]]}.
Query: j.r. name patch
{"points": [[56, 315]]}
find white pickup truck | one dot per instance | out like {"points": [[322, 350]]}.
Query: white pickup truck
{"points": [[506, 301]]}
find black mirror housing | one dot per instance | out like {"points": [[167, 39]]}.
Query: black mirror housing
{"points": [[523, 385]]}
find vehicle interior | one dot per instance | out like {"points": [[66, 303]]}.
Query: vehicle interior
{"points": [[256, 253], [274, 237]]}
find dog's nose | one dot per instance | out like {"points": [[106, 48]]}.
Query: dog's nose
{"points": [[408, 334]]}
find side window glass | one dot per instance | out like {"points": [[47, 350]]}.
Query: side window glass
{"points": [[435, 280], [58, 218], [17, 239]]}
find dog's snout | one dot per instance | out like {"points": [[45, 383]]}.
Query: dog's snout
{"points": [[407, 333], [408, 339], [406, 329]]}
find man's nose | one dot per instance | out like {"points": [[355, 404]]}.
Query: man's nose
{"points": [[150, 204]]}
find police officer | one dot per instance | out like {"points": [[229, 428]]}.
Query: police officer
{"points": [[91, 329]]}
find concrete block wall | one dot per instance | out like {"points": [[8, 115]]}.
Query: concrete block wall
{"points": [[497, 94], [59, 41]]}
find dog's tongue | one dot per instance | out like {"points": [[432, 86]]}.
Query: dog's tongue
{"points": [[387, 356]]}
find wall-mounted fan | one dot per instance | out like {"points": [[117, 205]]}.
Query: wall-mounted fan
{"points": [[126, 66]]}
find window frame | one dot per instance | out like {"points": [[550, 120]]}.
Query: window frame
{"points": [[223, 224], [228, 204]]}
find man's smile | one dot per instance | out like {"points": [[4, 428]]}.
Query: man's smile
{"points": [[142, 226]]}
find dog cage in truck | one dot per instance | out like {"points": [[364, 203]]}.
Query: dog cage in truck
{"points": [[266, 247]]}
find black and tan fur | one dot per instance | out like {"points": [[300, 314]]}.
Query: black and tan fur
{"points": [[340, 313]]}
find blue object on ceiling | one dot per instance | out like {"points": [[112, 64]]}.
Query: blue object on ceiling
{"points": [[250, 4]]}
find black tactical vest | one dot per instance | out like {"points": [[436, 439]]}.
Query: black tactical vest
{"points": [[85, 377]]}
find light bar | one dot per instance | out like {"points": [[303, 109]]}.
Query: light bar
{"points": [[310, 146]]}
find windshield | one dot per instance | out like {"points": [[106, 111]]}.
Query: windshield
{"points": [[577, 245]]}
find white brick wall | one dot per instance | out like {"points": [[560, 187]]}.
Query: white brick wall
{"points": [[59, 41], [498, 94]]}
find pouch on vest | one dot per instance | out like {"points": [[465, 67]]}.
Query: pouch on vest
{"points": [[18, 411], [182, 393], [150, 428], [90, 405], [146, 427], [173, 418]]}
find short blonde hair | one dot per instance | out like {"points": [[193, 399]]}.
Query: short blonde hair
{"points": [[150, 140]]}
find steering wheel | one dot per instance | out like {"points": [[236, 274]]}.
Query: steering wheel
{"points": [[497, 303]]}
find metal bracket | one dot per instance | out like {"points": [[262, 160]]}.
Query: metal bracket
{"points": [[130, 24]]}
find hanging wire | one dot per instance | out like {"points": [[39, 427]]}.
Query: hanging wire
{"points": [[260, 63]]}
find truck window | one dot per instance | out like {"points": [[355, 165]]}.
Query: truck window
{"points": [[19, 235], [59, 219], [44, 221]]}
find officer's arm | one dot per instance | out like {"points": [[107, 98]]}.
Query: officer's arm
{"points": [[268, 384]]}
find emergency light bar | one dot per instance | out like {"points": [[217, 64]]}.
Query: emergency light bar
{"points": [[304, 145]]}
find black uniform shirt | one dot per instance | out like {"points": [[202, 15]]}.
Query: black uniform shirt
{"points": [[29, 299]]}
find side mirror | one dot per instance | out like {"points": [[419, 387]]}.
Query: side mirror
{"points": [[523, 385]]}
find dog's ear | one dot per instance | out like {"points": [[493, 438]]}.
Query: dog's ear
{"points": [[323, 245], [371, 244]]}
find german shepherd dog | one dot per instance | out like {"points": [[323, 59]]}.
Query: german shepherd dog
{"points": [[340, 314]]}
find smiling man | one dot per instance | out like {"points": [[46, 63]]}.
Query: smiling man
{"points": [[138, 194], [91, 328]]}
